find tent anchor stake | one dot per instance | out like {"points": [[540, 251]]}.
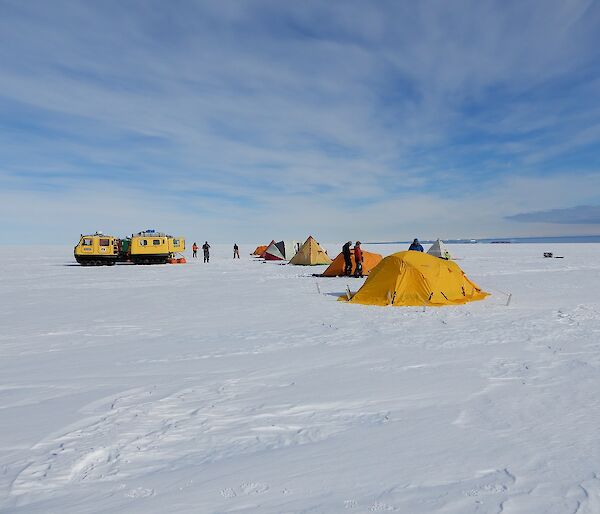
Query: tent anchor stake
{"points": [[509, 299], [348, 293], [318, 288]]}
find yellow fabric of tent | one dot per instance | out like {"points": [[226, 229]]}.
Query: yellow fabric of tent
{"points": [[416, 278], [310, 254], [259, 250], [336, 268]]}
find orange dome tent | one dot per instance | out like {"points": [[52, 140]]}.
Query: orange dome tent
{"points": [[336, 268], [259, 250]]}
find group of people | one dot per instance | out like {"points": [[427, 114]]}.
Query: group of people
{"points": [[358, 259], [206, 250], [346, 251]]}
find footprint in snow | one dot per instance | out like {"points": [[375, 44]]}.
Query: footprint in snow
{"points": [[140, 492], [380, 507], [253, 488], [228, 492], [496, 482]]}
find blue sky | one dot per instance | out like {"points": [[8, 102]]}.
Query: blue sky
{"points": [[256, 120]]}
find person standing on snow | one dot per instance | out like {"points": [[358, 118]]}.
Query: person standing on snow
{"points": [[206, 248], [358, 259], [236, 251], [416, 246], [347, 258], [195, 250]]}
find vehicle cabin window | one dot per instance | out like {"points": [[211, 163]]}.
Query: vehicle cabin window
{"points": [[176, 242], [156, 242], [104, 242], [87, 241], [143, 242]]}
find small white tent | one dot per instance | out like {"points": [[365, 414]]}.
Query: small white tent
{"points": [[281, 251], [274, 252], [438, 249]]}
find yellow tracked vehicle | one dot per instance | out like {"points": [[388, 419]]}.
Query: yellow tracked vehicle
{"points": [[176, 244], [98, 250], [151, 247]]}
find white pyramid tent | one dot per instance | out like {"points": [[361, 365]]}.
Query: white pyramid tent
{"points": [[281, 251], [274, 252], [439, 249]]}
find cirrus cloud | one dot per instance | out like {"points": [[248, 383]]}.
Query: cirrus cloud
{"points": [[235, 118]]}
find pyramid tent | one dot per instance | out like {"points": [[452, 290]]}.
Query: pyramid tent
{"points": [[439, 249], [262, 255], [259, 250], [275, 252], [283, 250], [416, 278], [336, 268], [311, 254]]}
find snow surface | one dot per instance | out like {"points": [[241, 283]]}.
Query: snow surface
{"points": [[237, 387]]}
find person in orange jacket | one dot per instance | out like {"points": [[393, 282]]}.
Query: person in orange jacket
{"points": [[358, 259], [195, 250]]}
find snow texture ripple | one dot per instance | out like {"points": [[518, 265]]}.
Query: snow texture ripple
{"points": [[242, 386]]}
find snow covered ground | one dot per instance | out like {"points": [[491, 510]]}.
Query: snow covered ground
{"points": [[237, 386]]}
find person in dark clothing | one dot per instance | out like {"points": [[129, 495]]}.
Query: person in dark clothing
{"points": [[358, 259], [416, 246], [347, 258], [195, 250], [206, 249], [236, 251]]}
